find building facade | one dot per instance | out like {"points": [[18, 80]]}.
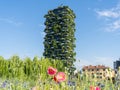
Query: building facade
{"points": [[98, 71], [116, 64]]}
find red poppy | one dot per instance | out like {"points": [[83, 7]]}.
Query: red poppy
{"points": [[51, 71], [60, 77]]}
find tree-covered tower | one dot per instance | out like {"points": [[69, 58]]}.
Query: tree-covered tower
{"points": [[59, 41]]}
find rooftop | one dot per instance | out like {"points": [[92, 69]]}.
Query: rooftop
{"points": [[95, 67]]}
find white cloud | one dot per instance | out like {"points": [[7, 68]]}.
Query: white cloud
{"points": [[108, 13], [112, 27], [111, 17], [10, 21]]}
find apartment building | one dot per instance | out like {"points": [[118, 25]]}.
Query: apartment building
{"points": [[117, 64], [98, 71]]}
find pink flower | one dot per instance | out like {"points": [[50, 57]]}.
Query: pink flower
{"points": [[60, 77], [97, 88], [51, 71], [94, 88]]}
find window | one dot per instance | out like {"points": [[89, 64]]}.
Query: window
{"points": [[97, 76], [97, 69], [103, 69]]}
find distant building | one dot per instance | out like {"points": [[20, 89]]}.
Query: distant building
{"points": [[99, 71], [117, 64]]}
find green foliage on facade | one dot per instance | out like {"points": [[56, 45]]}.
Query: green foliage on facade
{"points": [[59, 41]]}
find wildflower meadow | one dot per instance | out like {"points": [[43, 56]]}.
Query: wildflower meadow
{"points": [[47, 74]]}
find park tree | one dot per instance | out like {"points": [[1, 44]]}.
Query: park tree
{"points": [[59, 41]]}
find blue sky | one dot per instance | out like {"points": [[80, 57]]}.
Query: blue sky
{"points": [[97, 29]]}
